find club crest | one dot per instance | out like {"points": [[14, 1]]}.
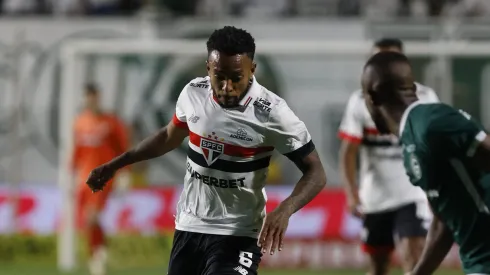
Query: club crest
{"points": [[211, 150]]}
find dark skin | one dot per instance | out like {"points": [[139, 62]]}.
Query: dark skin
{"points": [[230, 76], [409, 248], [387, 96], [92, 101]]}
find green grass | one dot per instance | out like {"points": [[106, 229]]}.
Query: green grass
{"points": [[49, 270]]}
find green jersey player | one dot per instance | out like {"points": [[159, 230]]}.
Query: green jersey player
{"points": [[445, 153]]}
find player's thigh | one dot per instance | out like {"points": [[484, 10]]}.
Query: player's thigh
{"points": [[413, 220], [231, 255], [377, 233], [184, 257]]}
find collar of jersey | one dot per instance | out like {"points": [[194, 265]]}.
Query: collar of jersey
{"points": [[252, 91], [405, 116]]}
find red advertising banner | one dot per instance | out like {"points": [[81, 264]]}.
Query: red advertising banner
{"points": [[152, 210], [321, 235]]}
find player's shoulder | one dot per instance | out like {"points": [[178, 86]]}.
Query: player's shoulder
{"points": [[112, 117], [421, 88], [82, 117], [356, 98], [426, 93], [435, 110], [268, 101], [429, 111], [426, 117], [198, 85]]}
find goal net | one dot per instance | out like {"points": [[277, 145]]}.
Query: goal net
{"points": [[140, 80]]}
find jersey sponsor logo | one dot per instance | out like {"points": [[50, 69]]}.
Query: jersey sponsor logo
{"points": [[262, 104], [193, 119], [241, 134], [409, 148], [211, 150], [216, 182], [415, 167], [201, 84], [241, 270]]}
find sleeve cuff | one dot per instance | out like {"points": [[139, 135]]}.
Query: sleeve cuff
{"points": [[474, 145], [179, 123], [301, 152], [350, 138]]}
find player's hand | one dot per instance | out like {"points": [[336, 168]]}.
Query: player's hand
{"points": [[271, 235], [99, 177], [354, 204]]}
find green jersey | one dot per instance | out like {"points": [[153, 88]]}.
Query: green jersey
{"points": [[438, 143]]}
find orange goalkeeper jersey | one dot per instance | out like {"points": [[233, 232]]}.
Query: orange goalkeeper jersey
{"points": [[98, 139]]}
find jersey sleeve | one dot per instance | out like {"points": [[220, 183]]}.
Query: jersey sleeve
{"points": [[430, 96], [454, 131], [288, 133], [351, 127], [180, 117]]}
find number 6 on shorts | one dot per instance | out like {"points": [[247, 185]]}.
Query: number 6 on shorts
{"points": [[245, 259]]}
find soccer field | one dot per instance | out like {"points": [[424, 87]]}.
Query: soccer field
{"points": [[49, 270]]}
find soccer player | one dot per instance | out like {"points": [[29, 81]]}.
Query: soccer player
{"points": [[394, 213], [233, 124], [99, 137], [445, 152]]}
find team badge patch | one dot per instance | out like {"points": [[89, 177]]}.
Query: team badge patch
{"points": [[211, 150], [415, 167]]}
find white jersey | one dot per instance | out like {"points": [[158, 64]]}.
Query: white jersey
{"points": [[383, 182], [228, 157]]}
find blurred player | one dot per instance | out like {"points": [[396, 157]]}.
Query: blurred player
{"points": [[394, 213], [233, 124], [445, 153], [99, 137]]}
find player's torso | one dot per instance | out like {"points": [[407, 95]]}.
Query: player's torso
{"points": [[452, 188], [384, 182], [93, 134], [227, 163]]}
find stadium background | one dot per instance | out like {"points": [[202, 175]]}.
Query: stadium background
{"points": [[323, 236]]}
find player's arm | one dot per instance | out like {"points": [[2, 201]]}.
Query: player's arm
{"points": [[293, 140], [350, 133], [163, 141], [438, 243]]}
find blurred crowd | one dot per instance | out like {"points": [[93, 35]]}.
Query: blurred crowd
{"points": [[250, 8]]}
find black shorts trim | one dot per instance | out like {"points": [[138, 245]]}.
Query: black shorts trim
{"points": [[229, 166], [208, 254]]}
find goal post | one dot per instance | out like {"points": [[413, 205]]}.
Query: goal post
{"points": [[73, 52]]}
